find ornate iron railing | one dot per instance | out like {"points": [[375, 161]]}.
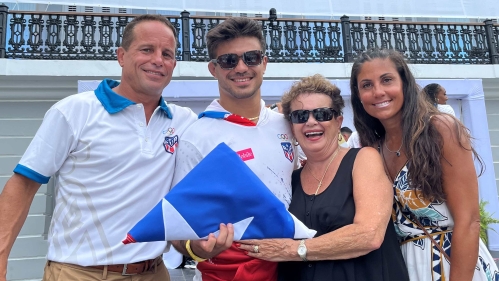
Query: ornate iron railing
{"points": [[63, 36], [86, 36], [430, 43]]}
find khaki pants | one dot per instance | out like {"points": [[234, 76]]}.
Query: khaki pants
{"points": [[55, 271]]}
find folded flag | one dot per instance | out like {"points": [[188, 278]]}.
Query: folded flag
{"points": [[220, 189]]}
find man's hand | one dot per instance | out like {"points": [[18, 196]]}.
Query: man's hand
{"points": [[214, 245]]}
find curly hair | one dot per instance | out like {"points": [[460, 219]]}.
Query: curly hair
{"points": [[233, 28], [313, 84], [422, 141]]}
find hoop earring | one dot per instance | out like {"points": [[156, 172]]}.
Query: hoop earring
{"points": [[294, 141], [340, 137]]}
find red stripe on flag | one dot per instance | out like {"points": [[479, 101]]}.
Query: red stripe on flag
{"points": [[233, 264]]}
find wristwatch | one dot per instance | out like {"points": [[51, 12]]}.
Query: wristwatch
{"points": [[302, 250]]}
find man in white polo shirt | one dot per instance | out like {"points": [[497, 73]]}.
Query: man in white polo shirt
{"points": [[112, 152], [260, 136]]}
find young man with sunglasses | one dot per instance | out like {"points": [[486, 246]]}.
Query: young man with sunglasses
{"points": [[260, 136]]}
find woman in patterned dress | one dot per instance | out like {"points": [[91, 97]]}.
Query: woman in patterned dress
{"points": [[429, 157]]}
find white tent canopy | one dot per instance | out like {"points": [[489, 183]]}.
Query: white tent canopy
{"points": [[387, 8]]}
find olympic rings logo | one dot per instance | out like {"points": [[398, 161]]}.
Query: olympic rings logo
{"points": [[282, 136]]}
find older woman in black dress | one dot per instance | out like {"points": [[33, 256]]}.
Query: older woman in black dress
{"points": [[342, 193]]}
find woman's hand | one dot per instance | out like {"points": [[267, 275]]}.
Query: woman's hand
{"points": [[275, 250]]}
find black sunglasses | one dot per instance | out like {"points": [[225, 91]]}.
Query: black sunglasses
{"points": [[230, 61], [320, 114]]}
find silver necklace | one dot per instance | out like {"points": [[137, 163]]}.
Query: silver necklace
{"points": [[324, 174], [397, 152]]}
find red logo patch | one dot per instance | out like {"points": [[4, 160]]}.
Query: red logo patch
{"points": [[246, 154]]}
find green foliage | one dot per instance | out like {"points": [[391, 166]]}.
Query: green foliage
{"points": [[485, 220]]}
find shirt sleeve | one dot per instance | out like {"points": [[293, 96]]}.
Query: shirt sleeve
{"points": [[354, 141], [186, 158], [445, 108], [49, 148]]}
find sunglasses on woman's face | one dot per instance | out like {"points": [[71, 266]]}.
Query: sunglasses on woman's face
{"points": [[230, 61], [320, 114]]}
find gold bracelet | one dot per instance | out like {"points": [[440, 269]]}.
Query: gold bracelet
{"points": [[191, 253]]}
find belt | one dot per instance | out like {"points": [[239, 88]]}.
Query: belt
{"points": [[132, 268]]}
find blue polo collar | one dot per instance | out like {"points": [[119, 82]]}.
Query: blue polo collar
{"points": [[114, 103]]}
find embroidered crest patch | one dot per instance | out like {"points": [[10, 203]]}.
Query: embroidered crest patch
{"points": [[170, 143], [288, 151]]}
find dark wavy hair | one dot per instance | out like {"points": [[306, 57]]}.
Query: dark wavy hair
{"points": [[232, 28], [422, 142], [431, 91]]}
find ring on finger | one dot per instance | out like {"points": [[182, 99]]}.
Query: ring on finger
{"points": [[255, 249]]}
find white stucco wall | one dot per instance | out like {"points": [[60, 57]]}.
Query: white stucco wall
{"points": [[199, 70]]}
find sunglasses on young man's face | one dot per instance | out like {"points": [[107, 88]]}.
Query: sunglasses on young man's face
{"points": [[230, 61], [320, 114]]}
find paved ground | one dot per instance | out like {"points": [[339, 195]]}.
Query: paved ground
{"points": [[184, 274]]}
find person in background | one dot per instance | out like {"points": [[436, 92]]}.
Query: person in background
{"points": [[354, 141], [346, 133], [342, 193], [437, 95], [428, 156], [260, 136], [342, 140], [112, 152]]}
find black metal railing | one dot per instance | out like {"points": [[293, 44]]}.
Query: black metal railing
{"points": [[86, 36]]}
